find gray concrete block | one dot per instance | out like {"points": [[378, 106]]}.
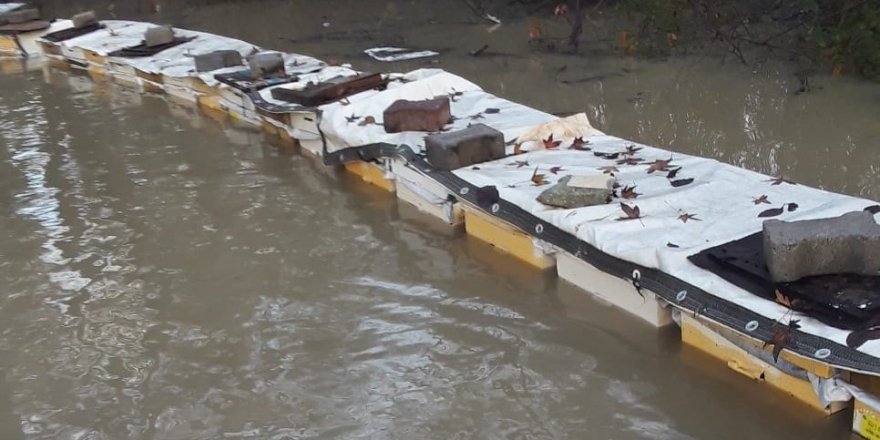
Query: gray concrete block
{"points": [[267, 65], [218, 59], [158, 35], [428, 115], [475, 144], [21, 16], [839, 245], [84, 19], [568, 195]]}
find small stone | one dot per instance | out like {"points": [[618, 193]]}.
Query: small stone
{"points": [[158, 35], [476, 144], [849, 244], [267, 65], [20, 16], [567, 195], [429, 115], [218, 59], [84, 19]]}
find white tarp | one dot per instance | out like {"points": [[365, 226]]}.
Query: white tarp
{"points": [[9, 7], [721, 200], [390, 54], [344, 124]]}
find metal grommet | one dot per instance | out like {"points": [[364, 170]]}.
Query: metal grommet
{"points": [[496, 207], [751, 326], [539, 228], [464, 191], [822, 353], [636, 274], [680, 296]]}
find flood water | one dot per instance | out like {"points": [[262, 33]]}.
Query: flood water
{"points": [[168, 276]]}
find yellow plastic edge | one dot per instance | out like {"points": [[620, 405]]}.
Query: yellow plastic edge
{"points": [[370, 173], [505, 237]]}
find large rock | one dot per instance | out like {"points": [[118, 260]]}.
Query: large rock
{"points": [[267, 65], [218, 59], [158, 35], [578, 192], [475, 144], [846, 244], [429, 115], [84, 19]]}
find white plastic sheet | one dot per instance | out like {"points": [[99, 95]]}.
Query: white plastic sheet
{"points": [[9, 7], [390, 54], [721, 200], [344, 124]]}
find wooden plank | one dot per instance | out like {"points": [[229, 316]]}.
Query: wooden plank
{"points": [[332, 90]]}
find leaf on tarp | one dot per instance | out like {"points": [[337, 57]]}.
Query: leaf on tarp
{"points": [[684, 217], [857, 338], [631, 150], [492, 111], [760, 200], [352, 118], [873, 209], [579, 144], [538, 179], [779, 180], [792, 207], [556, 170], [610, 169], [681, 182], [629, 161], [631, 212], [781, 298], [550, 144], [782, 337], [487, 196], [629, 192], [475, 168], [772, 212], [476, 116], [672, 173], [517, 149], [520, 163], [659, 165], [366, 121], [609, 156], [672, 245]]}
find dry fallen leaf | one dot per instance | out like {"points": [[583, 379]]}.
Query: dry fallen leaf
{"points": [[684, 217], [631, 212], [659, 165], [629, 161], [556, 170], [517, 149], [782, 337], [560, 9], [632, 149], [520, 163], [550, 144], [366, 121], [629, 193], [538, 179], [579, 144], [778, 180], [352, 118], [535, 32], [760, 200]]}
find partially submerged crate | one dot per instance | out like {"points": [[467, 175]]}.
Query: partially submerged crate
{"points": [[613, 290], [739, 353]]}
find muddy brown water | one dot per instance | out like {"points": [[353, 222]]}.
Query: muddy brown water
{"points": [[168, 276]]}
